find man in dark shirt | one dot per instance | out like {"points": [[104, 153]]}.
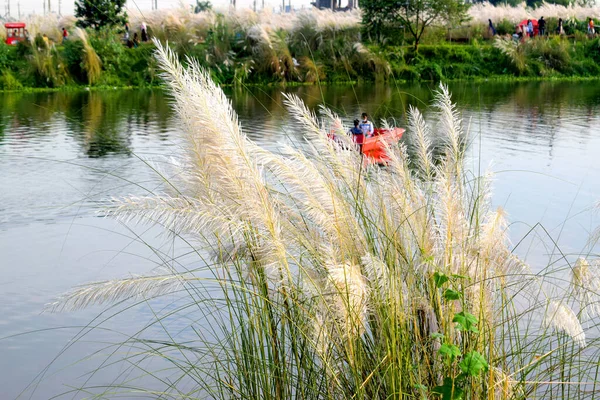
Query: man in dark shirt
{"points": [[542, 26]]}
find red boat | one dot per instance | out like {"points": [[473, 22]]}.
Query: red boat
{"points": [[15, 32], [374, 147]]}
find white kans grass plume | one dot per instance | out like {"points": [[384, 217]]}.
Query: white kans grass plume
{"points": [[561, 317], [423, 144], [110, 292], [585, 284], [349, 292]]}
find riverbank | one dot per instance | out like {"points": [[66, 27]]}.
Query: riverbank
{"points": [[69, 66]]}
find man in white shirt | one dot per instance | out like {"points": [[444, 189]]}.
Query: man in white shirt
{"points": [[366, 126]]}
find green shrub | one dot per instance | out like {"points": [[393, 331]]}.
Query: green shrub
{"points": [[5, 56], [24, 49], [430, 72], [433, 35], [553, 54], [110, 49], [505, 27], [407, 73], [9, 82], [47, 70], [73, 53]]}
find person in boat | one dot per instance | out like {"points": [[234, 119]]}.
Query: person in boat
{"points": [[357, 135], [356, 130], [366, 126]]}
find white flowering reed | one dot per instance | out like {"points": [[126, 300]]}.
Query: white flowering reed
{"points": [[585, 283], [108, 292], [349, 295], [561, 317]]}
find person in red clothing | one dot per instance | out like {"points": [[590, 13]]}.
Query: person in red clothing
{"points": [[65, 34], [357, 135]]}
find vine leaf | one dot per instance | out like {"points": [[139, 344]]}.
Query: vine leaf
{"points": [[473, 364], [465, 322]]}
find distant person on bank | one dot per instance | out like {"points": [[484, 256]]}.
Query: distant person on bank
{"points": [[542, 26], [491, 28], [144, 30], [560, 30]]}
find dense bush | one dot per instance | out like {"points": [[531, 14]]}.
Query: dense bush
{"points": [[5, 56], [9, 82], [505, 27], [73, 56]]}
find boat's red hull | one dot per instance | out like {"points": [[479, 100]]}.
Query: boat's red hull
{"points": [[374, 147]]}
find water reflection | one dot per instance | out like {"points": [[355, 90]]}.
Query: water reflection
{"points": [[101, 122]]}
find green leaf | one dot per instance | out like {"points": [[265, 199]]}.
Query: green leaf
{"points": [[465, 322], [428, 259], [473, 364], [449, 350], [439, 279], [437, 335], [420, 387], [448, 390], [450, 294]]}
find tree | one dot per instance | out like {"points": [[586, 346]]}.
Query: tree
{"points": [[100, 13], [412, 15], [202, 6]]}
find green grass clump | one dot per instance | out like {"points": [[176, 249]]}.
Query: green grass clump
{"points": [[329, 278]]}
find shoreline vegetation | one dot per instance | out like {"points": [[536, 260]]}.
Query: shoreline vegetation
{"points": [[306, 47]]}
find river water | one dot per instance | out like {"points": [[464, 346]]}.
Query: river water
{"points": [[63, 154]]}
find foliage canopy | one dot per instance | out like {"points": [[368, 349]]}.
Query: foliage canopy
{"points": [[202, 6], [412, 15], [100, 13]]}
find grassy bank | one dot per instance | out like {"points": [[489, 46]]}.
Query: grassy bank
{"points": [[67, 66], [502, 59], [242, 48]]}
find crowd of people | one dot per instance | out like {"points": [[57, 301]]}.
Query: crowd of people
{"points": [[134, 41], [531, 28]]}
